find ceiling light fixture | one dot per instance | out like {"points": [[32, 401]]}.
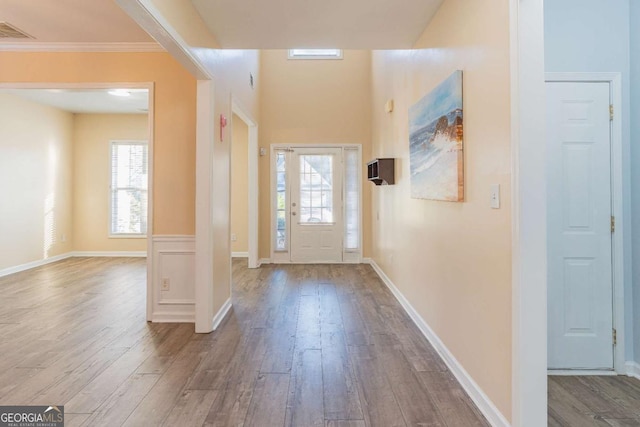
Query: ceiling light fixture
{"points": [[119, 92]]}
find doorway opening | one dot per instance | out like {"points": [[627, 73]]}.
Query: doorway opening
{"points": [[83, 161], [316, 199], [584, 223], [586, 315], [239, 188], [244, 185]]}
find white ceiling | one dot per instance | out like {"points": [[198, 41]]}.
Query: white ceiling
{"points": [[346, 24], [93, 101], [71, 21]]}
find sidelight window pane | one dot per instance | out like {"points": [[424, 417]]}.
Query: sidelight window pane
{"points": [[281, 202], [351, 200]]}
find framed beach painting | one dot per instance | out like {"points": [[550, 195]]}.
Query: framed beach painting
{"points": [[435, 143]]}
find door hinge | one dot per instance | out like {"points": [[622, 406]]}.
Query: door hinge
{"points": [[615, 337], [613, 223], [611, 112]]}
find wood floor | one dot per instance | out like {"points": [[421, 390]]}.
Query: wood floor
{"points": [[307, 346], [594, 401]]}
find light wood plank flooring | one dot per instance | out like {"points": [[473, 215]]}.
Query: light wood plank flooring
{"points": [[594, 401], [323, 345]]}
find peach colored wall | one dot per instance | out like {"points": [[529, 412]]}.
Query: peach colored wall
{"points": [[314, 102], [36, 171], [174, 124], [230, 70], [239, 185], [92, 136], [452, 261]]}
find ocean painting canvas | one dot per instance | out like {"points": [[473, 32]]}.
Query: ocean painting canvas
{"points": [[435, 143]]}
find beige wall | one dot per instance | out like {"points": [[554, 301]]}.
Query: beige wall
{"points": [[187, 22], [36, 191], [230, 69], [92, 135], [314, 102], [239, 185], [174, 121], [452, 261]]}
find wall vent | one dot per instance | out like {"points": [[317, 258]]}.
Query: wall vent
{"points": [[8, 31]]}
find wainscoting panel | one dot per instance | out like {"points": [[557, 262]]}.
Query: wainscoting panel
{"points": [[173, 283]]}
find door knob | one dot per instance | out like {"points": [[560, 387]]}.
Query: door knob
{"points": [[293, 204], [293, 213]]}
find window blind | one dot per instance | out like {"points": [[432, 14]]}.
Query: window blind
{"points": [[129, 188]]}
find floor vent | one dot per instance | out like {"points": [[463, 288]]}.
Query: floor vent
{"points": [[8, 31]]}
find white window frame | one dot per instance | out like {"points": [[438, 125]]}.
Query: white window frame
{"points": [[112, 235], [292, 54], [283, 256]]}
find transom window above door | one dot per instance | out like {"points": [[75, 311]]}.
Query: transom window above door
{"points": [[315, 53]]}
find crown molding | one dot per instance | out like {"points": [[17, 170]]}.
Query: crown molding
{"points": [[81, 47]]}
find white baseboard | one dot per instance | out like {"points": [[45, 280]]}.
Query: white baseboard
{"points": [[239, 254], [633, 369], [486, 406], [125, 254], [33, 264], [168, 317], [263, 261], [581, 372], [221, 314]]}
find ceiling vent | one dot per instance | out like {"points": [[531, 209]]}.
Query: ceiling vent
{"points": [[8, 31]]}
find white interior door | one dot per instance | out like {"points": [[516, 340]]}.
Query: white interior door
{"points": [[316, 205], [580, 285]]}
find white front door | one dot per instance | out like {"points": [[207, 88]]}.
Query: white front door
{"points": [[316, 205], [580, 285]]}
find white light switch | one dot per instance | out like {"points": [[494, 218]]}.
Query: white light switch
{"points": [[234, 238], [495, 196]]}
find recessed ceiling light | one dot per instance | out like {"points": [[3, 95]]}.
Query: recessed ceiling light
{"points": [[119, 92]]}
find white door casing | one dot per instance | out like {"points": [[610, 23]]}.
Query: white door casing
{"points": [[315, 208], [580, 291]]}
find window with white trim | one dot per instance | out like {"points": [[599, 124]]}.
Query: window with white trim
{"points": [[129, 188], [315, 53]]}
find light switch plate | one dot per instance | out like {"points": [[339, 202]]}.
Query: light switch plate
{"points": [[495, 196]]}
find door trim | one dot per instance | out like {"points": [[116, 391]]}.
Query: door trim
{"points": [[528, 215], [281, 257], [617, 241]]}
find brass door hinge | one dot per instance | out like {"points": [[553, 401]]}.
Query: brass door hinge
{"points": [[611, 112], [615, 337], [613, 223]]}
